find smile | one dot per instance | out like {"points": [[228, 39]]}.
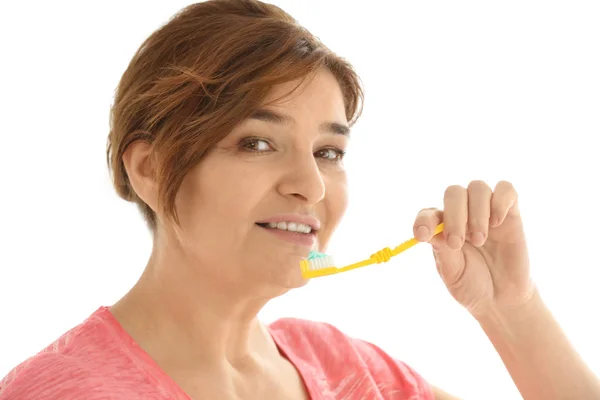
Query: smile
{"points": [[288, 226], [292, 232]]}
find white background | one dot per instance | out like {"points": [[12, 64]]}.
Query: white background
{"points": [[455, 91]]}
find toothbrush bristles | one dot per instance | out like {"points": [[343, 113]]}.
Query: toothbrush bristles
{"points": [[320, 263]]}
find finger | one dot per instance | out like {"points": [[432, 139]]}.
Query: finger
{"points": [[455, 216], [480, 196], [504, 201], [425, 223], [449, 263]]}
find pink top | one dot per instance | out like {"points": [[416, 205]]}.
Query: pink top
{"points": [[99, 360]]}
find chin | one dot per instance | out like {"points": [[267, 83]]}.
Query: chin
{"points": [[276, 268], [285, 277], [283, 288]]}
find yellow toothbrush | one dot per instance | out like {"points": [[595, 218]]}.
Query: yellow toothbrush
{"points": [[320, 264]]}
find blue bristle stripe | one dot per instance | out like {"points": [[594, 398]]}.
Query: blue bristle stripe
{"points": [[315, 254]]}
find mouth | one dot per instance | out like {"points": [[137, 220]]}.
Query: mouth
{"points": [[291, 227], [295, 233], [298, 229]]}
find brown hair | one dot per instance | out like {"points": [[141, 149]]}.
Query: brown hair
{"points": [[202, 73]]}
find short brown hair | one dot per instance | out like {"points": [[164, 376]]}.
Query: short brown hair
{"points": [[199, 75]]}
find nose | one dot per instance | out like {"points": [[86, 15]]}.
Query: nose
{"points": [[303, 180]]}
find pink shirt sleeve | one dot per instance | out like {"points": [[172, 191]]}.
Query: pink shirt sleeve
{"points": [[388, 369], [50, 376], [336, 366]]}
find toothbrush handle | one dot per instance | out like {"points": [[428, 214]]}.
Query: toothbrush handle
{"points": [[411, 242], [384, 255]]}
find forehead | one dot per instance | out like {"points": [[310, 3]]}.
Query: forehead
{"points": [[275, 117], [319, 96]]}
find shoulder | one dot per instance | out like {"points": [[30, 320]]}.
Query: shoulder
{"points": [[314, 339], [49, 376], [307, 331], [74, 366], [327, 340], [340, 355]]}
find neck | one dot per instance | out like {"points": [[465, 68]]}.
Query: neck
{"points": [[187, 322]]}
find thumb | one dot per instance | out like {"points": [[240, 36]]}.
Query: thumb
{"points": [[450, 263]]}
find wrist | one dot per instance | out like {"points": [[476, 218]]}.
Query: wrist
{"points": [[511, 318]]}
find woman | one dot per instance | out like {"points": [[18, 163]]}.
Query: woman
{"points": [[228, 131]]}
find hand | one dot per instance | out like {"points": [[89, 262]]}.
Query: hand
{"points": [[481, 255]]}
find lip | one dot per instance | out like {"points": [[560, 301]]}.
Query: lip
{"points": [[309, 220]]}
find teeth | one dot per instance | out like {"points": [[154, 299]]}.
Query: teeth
{"points": [[307, 229], [290, 226]]}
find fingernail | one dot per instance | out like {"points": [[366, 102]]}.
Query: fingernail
{"points": [[423, 233], [477, 238], [454, 241]]}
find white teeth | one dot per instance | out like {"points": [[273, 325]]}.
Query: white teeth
{"points": [[290, 226]]}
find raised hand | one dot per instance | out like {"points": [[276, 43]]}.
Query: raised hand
{"points": [[482, 254]]}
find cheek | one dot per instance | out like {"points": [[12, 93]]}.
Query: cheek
{"points": [[214, 215], [221, 196], [336, 200]]}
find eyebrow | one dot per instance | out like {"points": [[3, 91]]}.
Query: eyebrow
{"points": [[276, 118]]}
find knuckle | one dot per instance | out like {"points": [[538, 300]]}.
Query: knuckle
{"points": [[425, 215], [453, 190], [506, 185], [477, 224], [479, 185]]}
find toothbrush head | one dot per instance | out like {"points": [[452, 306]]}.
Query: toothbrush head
{"points": [[317, 264]]}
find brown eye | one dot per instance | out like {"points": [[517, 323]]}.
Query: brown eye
{"points": [[334, 155], [256, 144]]}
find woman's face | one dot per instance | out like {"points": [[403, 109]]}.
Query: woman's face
{"points": [[283, 166]]}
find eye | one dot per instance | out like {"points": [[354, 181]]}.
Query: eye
{"points": [[256, 144], [331, 154]]}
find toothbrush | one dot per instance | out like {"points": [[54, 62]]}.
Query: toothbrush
{"points": [[320, 264]]}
